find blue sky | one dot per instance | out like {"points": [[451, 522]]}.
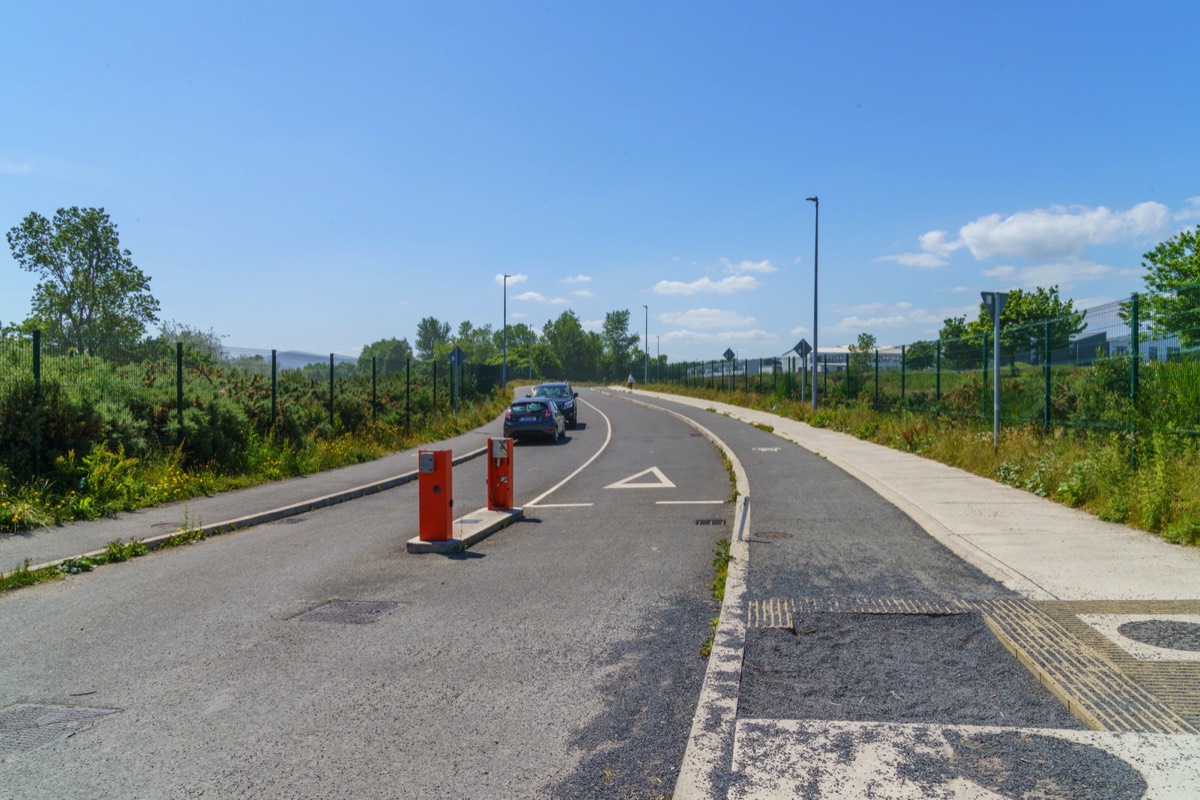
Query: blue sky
{"points": [[320, 176]]}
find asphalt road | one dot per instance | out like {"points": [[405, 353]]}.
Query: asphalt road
{"points": [[558, 658]]}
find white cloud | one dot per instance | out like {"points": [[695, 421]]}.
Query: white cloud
{"points": [[1059, 232], [15, 168], [512, 279], [532, 297], [583, 293], [1190, 212], [1063, 274], [935, 252], [557, 301], [705, 318], [758, 338], [707, 285], [742, 267], [578, 279], [873, 317]]}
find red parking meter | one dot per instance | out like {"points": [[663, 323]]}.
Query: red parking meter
{"points": [[436, 495], [500, 474]]}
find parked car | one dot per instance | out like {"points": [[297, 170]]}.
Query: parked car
{"points": [[534, 416], [563, 396]]}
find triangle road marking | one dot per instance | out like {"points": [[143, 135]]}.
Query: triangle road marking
{"points": [[660, 481]]}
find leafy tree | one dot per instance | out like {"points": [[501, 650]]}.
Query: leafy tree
{"points": [[1023, 322], [576, 353], [960, 344], [1173, 280], [618, 341], [478, 344], [920, 355], [431, 334], [196, 343], [861, 352], [391, 356], [90, 293]]}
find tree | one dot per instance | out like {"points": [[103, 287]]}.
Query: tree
{"points": [[1028, 317], [1173, 280], [576, 352], [90, 294], [618, 341], [430, 335], [477, 344], [959, 343], [920, 355], [391, 355], [861, 353]]}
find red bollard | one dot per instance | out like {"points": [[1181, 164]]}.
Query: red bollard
{"points": [[436, 495]]}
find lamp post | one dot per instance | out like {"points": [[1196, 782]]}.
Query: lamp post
{"points": [[504, 362], [816, 238], [657, 357], [994, 303], [646, 348]]}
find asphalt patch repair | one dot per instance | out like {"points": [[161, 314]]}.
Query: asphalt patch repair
{"points": [[946, 669]]}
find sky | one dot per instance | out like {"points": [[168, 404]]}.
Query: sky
{"points": [[320, 176]]}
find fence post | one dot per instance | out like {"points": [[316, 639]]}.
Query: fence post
{"points": [[274, 374], [374, 396], [435, 387], [407, 396], [1046, 375], [1134, 347], [331, 390], [37, 404], [984, 392], [179, 389], [877, 377], [903, 375], [937, 379]]}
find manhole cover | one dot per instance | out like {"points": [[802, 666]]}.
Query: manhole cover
{"points": [[27, 727], [772, 535], [710, 522], [1166, 633], [353, 612]]}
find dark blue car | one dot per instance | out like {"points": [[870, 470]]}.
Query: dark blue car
{"points": [[534, 416]]}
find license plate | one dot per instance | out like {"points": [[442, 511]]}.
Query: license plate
{"points": [[528, 419]]}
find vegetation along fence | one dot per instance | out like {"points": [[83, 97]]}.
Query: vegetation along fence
{"points": [[1132, 365], [210, 405]]}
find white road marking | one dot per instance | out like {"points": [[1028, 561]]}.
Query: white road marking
{"points": [[663, 481], [559, 485], [688, 502], [559, 505]]}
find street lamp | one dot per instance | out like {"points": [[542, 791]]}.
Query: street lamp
{"points": [[504, 365], [816, 234], [994, 303], [646, 348]]}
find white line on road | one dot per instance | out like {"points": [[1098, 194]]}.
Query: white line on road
{"points": [[607, 439]]}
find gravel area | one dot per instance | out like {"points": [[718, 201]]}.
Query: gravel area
{"points": [[1171, 634], [892, 668]]}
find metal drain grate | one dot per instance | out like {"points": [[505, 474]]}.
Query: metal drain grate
{"points": [[710, 522], [27, 727], [353, 612]]}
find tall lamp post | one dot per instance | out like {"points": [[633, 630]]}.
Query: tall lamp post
{"points": [[816, 238], [504, 364], [646, 348]]}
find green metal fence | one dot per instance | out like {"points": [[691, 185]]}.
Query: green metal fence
{"points": [[1124, 366], [209, 404]]}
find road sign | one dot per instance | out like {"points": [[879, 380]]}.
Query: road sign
{"points": [[802, 348], [729, 354], [457, 356]]}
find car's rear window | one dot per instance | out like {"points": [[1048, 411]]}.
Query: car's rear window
{"points": [[528, 408], [551, 391]]}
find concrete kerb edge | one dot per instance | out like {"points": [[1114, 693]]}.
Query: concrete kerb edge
{"points": [[501, 518], [273, 515], [714, 723]]}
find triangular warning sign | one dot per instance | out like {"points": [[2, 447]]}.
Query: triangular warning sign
{"points": [[660, 481]]}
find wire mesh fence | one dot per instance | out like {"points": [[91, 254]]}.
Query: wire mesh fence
{"points": [[210, 403], [1131, 365]]}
